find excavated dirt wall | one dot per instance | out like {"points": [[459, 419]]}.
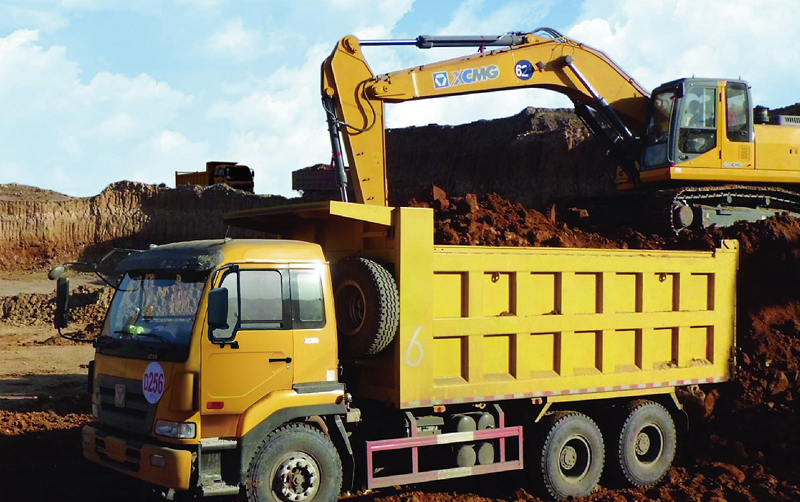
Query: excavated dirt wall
{"points": [[39, 227], [532, 158]]}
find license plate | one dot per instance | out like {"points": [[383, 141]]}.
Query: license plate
{"points": [[119, 396]]}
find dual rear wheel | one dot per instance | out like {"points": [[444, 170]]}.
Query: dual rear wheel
{"points": [[572, 454]]}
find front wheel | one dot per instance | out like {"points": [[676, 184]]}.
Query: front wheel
{"points": [[295, 463]]}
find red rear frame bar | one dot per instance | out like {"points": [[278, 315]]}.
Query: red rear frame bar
{"points": [[415, 442]]}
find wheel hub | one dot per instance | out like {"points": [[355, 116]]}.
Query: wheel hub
{"points": [[298, 478], [568, 457], [642, 443]]}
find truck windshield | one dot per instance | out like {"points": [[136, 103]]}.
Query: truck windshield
{"points": [[239, 174], [152, 314]]}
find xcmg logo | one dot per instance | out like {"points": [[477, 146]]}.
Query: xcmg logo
{"points": [[442, 79]]}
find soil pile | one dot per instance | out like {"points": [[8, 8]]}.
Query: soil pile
{"points": [[491, 220], [15, 423], [40, 227], [88, 307], [754, 420]]}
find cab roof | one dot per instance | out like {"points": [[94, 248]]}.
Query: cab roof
{"points": [[205, 255]]}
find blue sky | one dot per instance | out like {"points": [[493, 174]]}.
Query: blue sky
{"points": [[95, 91]]}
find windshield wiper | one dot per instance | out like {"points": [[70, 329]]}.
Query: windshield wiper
{"points": [[137, 336]]}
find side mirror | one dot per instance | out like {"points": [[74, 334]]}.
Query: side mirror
{"points": [[56, 272], [62, 303], [218, 308]]}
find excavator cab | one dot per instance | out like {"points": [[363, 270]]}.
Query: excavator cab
{"points": [[697, 124]]}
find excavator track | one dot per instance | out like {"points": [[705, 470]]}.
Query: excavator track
{"points": [[701, 207], [672, 211]]}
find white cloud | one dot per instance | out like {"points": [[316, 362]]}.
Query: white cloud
{"points": [[156, 159], [277, 125], [475, 17], [43, 20], [369, 19], [236, 42], [713, 38], [52, 120]]}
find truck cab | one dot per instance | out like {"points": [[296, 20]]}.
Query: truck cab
{"points": [[231, 173], [158, 416]]}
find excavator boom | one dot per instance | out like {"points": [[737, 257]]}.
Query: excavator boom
{"points": [[354, 97]]}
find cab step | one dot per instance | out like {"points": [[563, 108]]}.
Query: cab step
{"points": [[218, 489], [217, 444]]}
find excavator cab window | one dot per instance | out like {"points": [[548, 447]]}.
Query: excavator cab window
{"points": [[737, 107], [656, 151], [698, 121]]}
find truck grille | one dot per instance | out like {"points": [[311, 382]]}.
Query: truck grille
{"points": [[137, 414]]}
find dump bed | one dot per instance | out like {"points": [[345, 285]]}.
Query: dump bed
{"points": [[491, 323], [201, 178]]}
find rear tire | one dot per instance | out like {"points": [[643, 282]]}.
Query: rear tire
{"points": [[571, 456], [367, 307], [295, 463], [646, 440]]}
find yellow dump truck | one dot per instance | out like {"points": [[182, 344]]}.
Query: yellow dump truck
{"points": [[227, 173], [360, 353]]}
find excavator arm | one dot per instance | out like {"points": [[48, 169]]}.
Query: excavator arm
{"points": [[354, 97]]}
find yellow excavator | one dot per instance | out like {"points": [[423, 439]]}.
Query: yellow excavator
{"points": [[695, 151]]}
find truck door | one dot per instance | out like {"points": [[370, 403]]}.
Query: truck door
{"points": [[233, 377]]}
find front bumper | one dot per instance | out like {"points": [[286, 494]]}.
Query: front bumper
{"points": [[135, 459]]}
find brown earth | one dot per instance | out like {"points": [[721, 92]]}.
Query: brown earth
{"points": [[744, 434], [743, 437], [39, 227]]}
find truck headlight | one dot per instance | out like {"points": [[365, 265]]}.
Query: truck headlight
{"points": [[180, 430]]}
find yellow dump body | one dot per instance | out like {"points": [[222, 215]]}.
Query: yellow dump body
{"points": [[491, 323], [201, 178]]}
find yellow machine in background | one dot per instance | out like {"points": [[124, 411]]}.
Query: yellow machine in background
{"points": [[285, 370], [658, 142], [227, 173]]}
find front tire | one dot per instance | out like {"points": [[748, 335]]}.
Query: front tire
{"points": [[571, 456], [646, 440], [295, 463]]}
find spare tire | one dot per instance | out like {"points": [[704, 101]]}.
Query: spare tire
{"points": [[367, 307]]}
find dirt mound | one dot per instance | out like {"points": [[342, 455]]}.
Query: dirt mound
{"points": [[532, 158], [753, 421], [17, 423], [88, 306], [491, 220], [786, 110], [15, 191], [39, 227]]}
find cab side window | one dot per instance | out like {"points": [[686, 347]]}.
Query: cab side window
{"points": [[262, 299], [257, 299], [737, 113], [308, 306]]}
